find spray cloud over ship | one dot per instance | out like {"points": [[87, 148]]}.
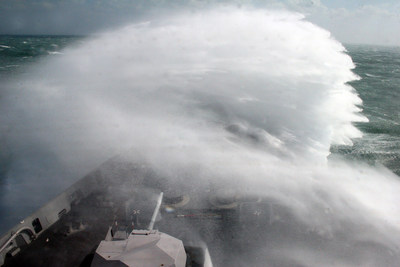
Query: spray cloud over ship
{"points": [[245, 98]]}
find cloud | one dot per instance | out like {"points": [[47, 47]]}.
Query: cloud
{"points": [[305, 3], [370, 24]]}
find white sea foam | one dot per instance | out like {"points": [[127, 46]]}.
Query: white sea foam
{"points": [[254, 96], [54, 53]]}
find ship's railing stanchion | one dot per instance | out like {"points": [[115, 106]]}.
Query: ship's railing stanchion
{"points": [[156, 210]]}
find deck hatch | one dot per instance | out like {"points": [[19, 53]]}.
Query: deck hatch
{"points": [[37, 226]]}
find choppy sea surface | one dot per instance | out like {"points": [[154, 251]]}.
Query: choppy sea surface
{"points": [[379, 88], [18, 51]]}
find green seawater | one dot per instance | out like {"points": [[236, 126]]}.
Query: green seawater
{"points": [[379, 88], [17, 52]]}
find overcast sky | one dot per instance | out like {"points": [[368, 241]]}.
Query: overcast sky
{"points": [[350, 21]]}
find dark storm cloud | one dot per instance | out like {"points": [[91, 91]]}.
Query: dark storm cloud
{"points": [[88, 16], [81, 16], [64, 17], [371, 22]]}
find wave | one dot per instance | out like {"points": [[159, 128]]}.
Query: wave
{"points": [[54, 52], [371, 75]]}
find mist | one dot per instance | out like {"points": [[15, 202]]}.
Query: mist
{"points": [[249, 99]]}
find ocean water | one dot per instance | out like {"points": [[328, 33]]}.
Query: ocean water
{"points": [[379, 88], [261, 101], [19, 51]]}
